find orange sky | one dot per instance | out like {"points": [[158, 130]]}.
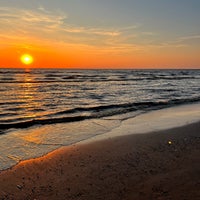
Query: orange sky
{"points": [[91, 57], [58, 37]]}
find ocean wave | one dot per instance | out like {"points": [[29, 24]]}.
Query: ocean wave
{"points": [[41, 96], [83, 113]]}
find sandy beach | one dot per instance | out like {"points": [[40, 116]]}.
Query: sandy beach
{"points": [[158, 165], [100, 100]]}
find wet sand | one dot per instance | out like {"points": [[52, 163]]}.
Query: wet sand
{"points": [[135, 167]]}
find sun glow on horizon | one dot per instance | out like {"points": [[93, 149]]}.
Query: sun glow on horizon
{"points": [[26, 59]]}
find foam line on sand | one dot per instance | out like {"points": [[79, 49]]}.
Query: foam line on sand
{"points": [[163, 164]]}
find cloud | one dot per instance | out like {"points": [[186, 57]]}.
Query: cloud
{"points": [[13, 17], [182, 41], [22, 25], [54, 27], [91, 31], [190, 37]]}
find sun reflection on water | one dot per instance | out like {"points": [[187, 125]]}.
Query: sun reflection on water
{"points": [[29, 95]]}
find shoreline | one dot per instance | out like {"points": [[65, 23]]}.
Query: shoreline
{"points": [[39, 141], [138, 166]]}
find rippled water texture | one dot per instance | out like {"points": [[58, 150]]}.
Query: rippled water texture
{"points": [[53, 96]]}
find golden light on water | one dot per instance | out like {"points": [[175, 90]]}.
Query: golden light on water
{"points": [[26, 59]]}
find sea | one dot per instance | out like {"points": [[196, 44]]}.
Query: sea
{"points": [[33, 102]]}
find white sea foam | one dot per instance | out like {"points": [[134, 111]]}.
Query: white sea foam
{"points": [[36, 141], [154, 121]]}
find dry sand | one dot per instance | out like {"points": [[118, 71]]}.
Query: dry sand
{"points": [[134, 167]]}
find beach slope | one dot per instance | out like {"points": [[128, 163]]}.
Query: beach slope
{"points": [[157, 165]]}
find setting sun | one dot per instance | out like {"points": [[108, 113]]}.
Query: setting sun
{"points": [[26, 59]]}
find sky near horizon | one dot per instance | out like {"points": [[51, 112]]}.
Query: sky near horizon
{"points": [[101, 33]]}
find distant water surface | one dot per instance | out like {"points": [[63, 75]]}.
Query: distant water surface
{"points": [[51, 96]]}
